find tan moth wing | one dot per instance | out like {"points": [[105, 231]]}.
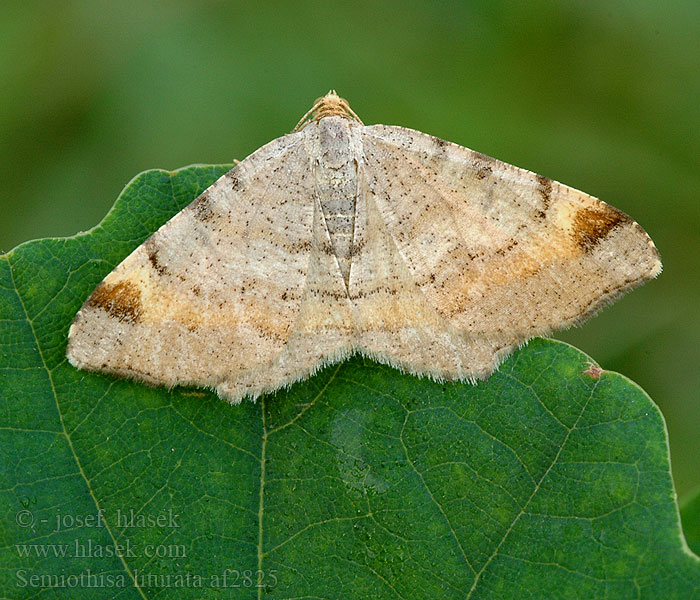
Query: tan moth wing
{"points": [[395, 320], [341, 238], [483, 255], [228, 293]]}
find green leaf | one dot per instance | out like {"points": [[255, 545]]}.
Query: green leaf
{"points": [[361, 482], [690, 515]]}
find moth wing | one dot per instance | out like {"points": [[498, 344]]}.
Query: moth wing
{"points": [[395, 320], [499, 254], [223, 294]]}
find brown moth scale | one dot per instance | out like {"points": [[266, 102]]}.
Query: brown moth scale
{"points": [[593, 225], [121, 300]]}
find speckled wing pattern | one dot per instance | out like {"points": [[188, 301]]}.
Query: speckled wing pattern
{"points": [[340, 238], [225, 294], [496, 254]]}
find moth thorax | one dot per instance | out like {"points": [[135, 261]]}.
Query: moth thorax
{"points": [[336, 181]]}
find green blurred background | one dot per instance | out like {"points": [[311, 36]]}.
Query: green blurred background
{"points": [[601, 95]]}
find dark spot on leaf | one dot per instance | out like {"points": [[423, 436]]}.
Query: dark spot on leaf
{"points": [[594, 371], [120, 300]]}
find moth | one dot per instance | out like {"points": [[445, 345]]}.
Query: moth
{"points": [[341, 238]]}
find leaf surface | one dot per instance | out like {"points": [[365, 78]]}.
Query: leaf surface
{"points": [[690, 515], [361, 482]]}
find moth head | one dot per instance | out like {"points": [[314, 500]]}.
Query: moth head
{"points": [[330, 105]]}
